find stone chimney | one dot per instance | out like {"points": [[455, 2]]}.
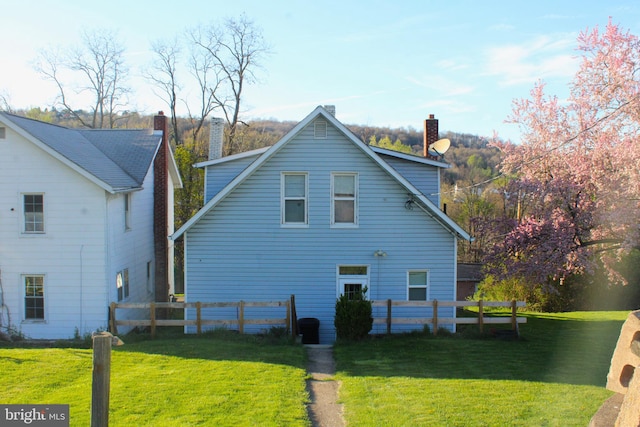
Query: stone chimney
{"points": [[331, 109], [216, 134], [430, 134], [160, 210]]}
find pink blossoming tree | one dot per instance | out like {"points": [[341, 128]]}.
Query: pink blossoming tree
{"points": [[576, 174]]}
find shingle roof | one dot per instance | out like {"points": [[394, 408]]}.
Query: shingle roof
{"points": [[118, 158]]}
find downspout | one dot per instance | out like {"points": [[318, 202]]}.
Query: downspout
{"points": [[81, 286]]}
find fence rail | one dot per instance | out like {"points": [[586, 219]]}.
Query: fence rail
{"points": [[153, 322], [434, 320]]}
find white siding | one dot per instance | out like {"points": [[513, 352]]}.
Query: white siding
{"points": [[132, 248], [240, 251], [71, 252]]}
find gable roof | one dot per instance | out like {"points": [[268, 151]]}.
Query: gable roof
{"points": [[422, 201], [116, 160]]}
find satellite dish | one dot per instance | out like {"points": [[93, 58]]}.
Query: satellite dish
{"points": [[439, 147]]}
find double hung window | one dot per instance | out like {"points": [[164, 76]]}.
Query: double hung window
{"points": [[33, 208], [294, 201], [417, 282], [344, 199], [34, 297]]}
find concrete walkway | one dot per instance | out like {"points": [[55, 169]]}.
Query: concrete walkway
{"points": [[324, 411]]}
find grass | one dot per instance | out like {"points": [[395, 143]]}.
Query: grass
{"points": [[553, 376], [221, 381]]}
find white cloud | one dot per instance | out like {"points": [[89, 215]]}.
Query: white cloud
{"points": [[544, 57]]}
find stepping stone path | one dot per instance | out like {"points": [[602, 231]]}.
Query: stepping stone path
{"points": [[324, 411]]}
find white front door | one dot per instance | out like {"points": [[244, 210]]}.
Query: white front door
{"points": [[352, 279]]}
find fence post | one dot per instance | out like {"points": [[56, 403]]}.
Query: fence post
{"points": [[288, 317], [198, 317], [514, 313], [101, 379], [241, 317], [435, 317], [388, 316], [480, 315], [114, 327], [294, 317], [152, 307]]}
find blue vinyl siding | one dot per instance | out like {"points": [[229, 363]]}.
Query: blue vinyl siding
{"points": [[239, 251], [424, 178], [218, 176]]}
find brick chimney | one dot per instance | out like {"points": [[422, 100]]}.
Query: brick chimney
{"points": [[430, 134], [216, 134], [160, 210]]}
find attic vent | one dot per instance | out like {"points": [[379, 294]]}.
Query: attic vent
{"points": [[320, 129], [3, 133]]}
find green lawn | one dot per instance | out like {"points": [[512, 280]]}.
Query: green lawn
{"points": [[553, 376], [175, 382]]}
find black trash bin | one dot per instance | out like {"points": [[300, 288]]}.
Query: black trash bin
{"points": [[309, 327]]}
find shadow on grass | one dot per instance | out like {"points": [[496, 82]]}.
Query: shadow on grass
{"points": [[218, 345], [550, 349]]}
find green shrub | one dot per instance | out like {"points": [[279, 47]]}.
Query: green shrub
{"points": [[353, 319]]}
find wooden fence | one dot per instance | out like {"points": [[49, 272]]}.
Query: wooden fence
{"points": [[435, 321], [153, 322], [290, 319]]}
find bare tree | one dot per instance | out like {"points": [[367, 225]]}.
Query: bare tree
{"points": [[98, 67], [163, 74], [233, 52], [5, 102]]}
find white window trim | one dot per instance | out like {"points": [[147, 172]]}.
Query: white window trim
{"points": [[283, 199], [24, 298], [355, 199], [23, 222], [427, 287]]}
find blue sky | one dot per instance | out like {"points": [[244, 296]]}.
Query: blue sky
{"points": [[382, 63]]}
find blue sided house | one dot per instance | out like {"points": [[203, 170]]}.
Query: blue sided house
{"points": [[317, 215]]}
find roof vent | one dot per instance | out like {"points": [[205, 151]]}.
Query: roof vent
{"points": [[320, 129]]}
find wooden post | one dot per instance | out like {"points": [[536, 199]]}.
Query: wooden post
{"points": [[152, 307], [114, 327], [101, 379], [288, 317], [388, 316], [199, 317], [241, 317], [514, 314], [294, 317], [480, 316], [435, 317]]}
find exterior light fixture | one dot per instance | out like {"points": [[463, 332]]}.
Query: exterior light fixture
{"points": [[379, 253]]}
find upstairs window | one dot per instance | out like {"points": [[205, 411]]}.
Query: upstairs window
{"points": [[344, 200], [418, 282], [34, 297], [33, 208], [294, 198]]}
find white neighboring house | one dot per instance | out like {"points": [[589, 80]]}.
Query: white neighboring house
{"points": [[84, 220]]}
